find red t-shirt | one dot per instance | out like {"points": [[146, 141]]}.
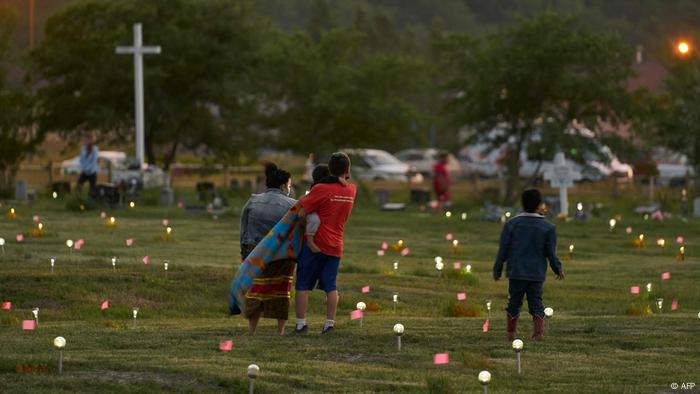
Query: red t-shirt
{"points": [[333, 203]]}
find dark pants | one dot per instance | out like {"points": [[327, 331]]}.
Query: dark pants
{"points": [[90, 178], [517, 289]]}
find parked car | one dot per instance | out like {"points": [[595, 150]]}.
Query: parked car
{"points": [[375, 165], [105, 159], [423, 160], [479, 159], [671, 165]]}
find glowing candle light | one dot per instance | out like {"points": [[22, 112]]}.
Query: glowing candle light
{"points": [[2, 245], [398, 331], [35, 312], [484, 379], [681, 253], [114, 263], [571, 251], [648, 287], [54, 195], [53, 262], [464, 216], [60, 344], [661, 242], [135, 312], [69, 244], [448, 214], [40, 226], [579, 207], [518, 347], [660, 303], [508, 215], [12, 214], [168, 230], [132, 204], [612, 224], [396, 265], [468, 269], [455, 243]]}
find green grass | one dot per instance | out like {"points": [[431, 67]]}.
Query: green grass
{"points": [[592, 344]]}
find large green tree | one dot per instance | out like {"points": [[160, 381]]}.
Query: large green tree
{"points": [[541, 76], [199, 81], [17, 136], [336, 93]]}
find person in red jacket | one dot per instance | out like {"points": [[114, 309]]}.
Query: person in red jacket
{"points": [[332, 200], [441, 181]]}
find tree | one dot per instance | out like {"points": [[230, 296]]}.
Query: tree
{"points": [[17, 137], [541, 77], [209, 52], [678, 111], [335, 94]]}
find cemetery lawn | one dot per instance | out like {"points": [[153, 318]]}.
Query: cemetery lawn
{"points": [[598, 340]]}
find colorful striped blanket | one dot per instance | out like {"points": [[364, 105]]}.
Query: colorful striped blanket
{"points": [[282, 242]]}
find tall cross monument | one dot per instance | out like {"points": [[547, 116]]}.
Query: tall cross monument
{"points": [[138, 50]]}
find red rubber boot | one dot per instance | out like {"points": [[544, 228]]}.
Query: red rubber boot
{"points": [[537, 328], [512, 327]]}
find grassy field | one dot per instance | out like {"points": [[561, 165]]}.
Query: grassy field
{"points": [[599, 340]]}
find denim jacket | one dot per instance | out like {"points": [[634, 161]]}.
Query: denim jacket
{"points": [[527, 242], [261, 213]]}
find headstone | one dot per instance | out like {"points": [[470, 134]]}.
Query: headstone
{"points": [[167, 197], [562, 176], [419, 196], [381, 196], [21, 190], [696, 207]]}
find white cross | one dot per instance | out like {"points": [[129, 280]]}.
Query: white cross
{"points": [[561, 175], [138, 50]]}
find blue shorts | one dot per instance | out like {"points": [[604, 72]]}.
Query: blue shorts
{"points": [[316, 268]]}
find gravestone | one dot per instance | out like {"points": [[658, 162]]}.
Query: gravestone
{"points": [[562, 176], [21, 190], [696, 207]]}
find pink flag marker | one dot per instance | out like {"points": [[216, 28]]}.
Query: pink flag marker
{"points": [[634, 289], [356, 314], [449, 236], [6, 305], [666, 276], [680, 239], [226, 346], [129, 242], [36, 218], [628, 230], [385, 246], [20, 237], [105, 305], [485, 327], [405, 252], [380, 253], [441, 358], [166, 222], [461, 296], [103, 215], [674, 304], [146, 260], [28, 324], [365, 289], [457, 265]]}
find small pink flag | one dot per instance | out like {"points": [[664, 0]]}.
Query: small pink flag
{"points": [[680, 239], [226, 346], [634, 289], [105, 305], [6, 305], [457, 265], [385, 246], [146, 260], [103, 215], [166, 222], [666, 276], [78, 244], [180, 205], [36, 218], [461, 296], [28, 324], [449, 236], [405, 252], [365, 289], [380, 253], [485, 327], [628, 230], [674, 304], [129, 242], [20, 237], [441, 358], [356, 314]]}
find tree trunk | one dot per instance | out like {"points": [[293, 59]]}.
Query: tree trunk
{"points": [[150, 154], [170, 157], [513, 184]]}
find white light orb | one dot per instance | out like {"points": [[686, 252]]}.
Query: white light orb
{"points": [[59, 342], [2, 241], [396, 265], [579, 207], [448, 214], [484, 377], [54, 195], [488, 305], [648, 287], [69, 243], [361, 306], [396, 298], [612, 222], [468, 268], [439, 265], [253, 371], [398, 328], [548, 312], [135, 312], [517, 345], [438, 259], [464, 216]]}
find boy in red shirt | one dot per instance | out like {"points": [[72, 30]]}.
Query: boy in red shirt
{"points": [[333, 203]]}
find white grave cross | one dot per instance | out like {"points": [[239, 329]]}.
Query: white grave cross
{"points": [[562, 176], [138, 50]]}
